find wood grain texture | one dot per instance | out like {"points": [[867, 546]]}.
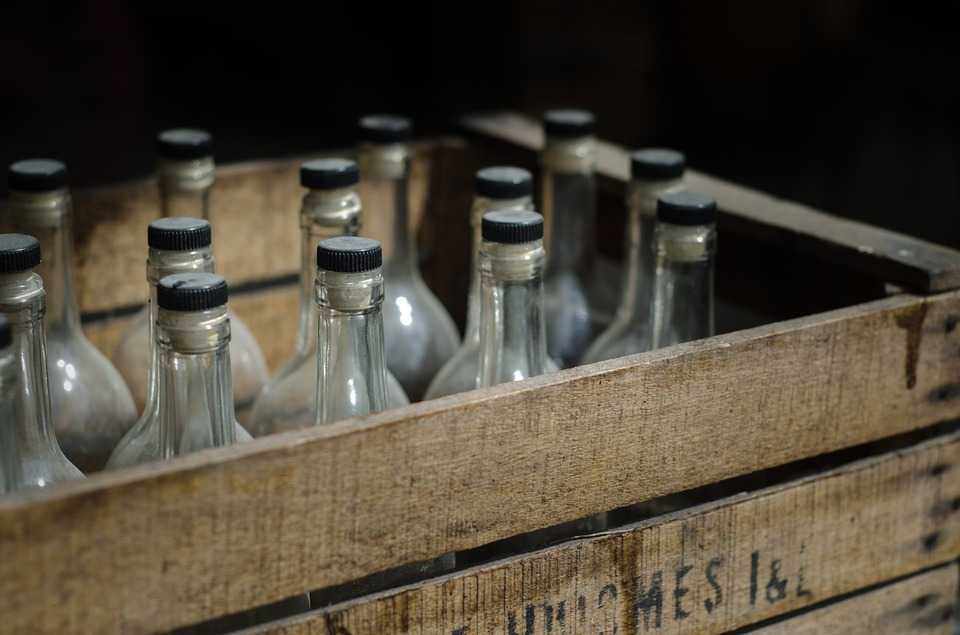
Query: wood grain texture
{"points": [[918, 265], [710, 569], [924, 604], [254, 212], [224, 530]]}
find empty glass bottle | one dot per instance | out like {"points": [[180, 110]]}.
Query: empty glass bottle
{"points": [[513, 342], [29, 453], [496, 189], [186, 175], [92, 408], [420, 336], [194, 409], [330, 208], [654, 171], [568, 201], [351, 369], [685, 243]]}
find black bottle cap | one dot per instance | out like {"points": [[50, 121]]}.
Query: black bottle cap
{"points": [[179, 233], [686, 208], [349, 254], [512, 228], [5, 335], [385, 129], [568, 123], [37, 175], [184, 144], [191, 292], [652, 164], [329, 174], [503, 182], [18, 252]]}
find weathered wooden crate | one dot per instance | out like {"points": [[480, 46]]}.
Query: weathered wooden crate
{"points": [[813, 437]]}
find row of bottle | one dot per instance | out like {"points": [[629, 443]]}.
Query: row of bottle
{"points": [[418, 331]]}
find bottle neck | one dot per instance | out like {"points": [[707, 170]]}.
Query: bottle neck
{"points": [[324, 214], [641, 261], [351, 367], [568, 204], [683, 304], [28, 429], [195, 393], [481, 206], [159, 265], [185, 187], [512, 333], [48, 217], [386, 168]]}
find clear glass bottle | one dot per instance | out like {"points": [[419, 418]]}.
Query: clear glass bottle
{"points": [[420, 335], [330, 208], [496, 189], [92, 407], [568, 201], [654, 171], [186, 174], [194, 410], [513, 343], [29, 453], [351, 367], [685, 242]]}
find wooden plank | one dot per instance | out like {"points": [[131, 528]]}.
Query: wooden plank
{"points": [[255, 209], [924, 604], [918, 265], [221, 531], [710, 569]]}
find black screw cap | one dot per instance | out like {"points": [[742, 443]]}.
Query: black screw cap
{"points": [[179, 233], [512, 228], [18, 252], [686, 208], [192, 292], [349, 254]]}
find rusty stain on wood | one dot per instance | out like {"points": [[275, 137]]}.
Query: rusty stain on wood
{"points": [[911, 320]]}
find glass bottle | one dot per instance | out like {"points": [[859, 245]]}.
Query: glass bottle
{"points": [[29, 453], [351, 367], [655, 171], [420, 336], [685, 243], [194, 410], [92, 407], [330, 208], [496, 189], [568, 201], [186, 174], [513, 343]]}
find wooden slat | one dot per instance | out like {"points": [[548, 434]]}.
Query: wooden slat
{"points": [[254, 213], [709, 569], [924, 604], [918, 265], [224, 530]]}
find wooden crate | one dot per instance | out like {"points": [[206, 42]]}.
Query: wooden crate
{"points": [[814, 435]]}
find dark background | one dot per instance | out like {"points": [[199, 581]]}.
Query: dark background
{"points": [[849, 106]]}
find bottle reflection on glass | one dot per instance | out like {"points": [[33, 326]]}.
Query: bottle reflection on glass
{"points": [[496, 189], [331, 207], [29, 453], [92, 407], [654, 172], [420, 335], [685, 243]]}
